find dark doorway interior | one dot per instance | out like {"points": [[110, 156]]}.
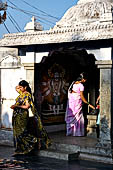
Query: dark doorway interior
{"points": [[54, 75]]}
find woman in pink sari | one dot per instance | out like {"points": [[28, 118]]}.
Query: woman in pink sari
{"points": [[74, 114]]}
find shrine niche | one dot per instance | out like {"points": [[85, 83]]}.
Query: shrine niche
{"points": [[52, 79]]}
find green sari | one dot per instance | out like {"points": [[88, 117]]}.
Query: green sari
{"points": [[25, 139]]}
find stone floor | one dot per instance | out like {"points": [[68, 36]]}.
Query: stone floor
{"points": [[60, 137], [6, 138], [86, 147]]}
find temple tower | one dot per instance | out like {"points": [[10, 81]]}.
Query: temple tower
{"points": [[87, 1]]}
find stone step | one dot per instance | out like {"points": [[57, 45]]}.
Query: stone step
{"points": [[62, 155], [105, 152], [97, 158], [69, 156], [85, 152], [65, 147]]}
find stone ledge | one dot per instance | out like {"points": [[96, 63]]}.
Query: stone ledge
{"points": [[104, 63], [84, 156], [63, 155]]}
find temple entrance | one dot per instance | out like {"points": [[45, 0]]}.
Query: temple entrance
{"points": [[53, 77]]}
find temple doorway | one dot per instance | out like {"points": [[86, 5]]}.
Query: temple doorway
{"points": [[53, 77]]}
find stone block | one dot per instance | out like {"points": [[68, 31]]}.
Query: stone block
{"points": [[62, 155]]}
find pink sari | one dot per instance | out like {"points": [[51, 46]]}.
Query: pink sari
{"points": [[74, 115]]}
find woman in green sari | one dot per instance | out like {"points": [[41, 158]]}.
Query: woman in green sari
{"points": [[24, 137]]}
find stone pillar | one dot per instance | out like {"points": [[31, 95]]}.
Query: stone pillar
{"points": [[30, 74], [106, 102]]}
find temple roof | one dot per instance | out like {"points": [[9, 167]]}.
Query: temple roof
{"points": [[86, 1], [88, 20]]}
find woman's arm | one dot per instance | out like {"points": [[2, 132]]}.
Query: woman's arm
{"points": [[98, 99], [84, 100], [82, 97], [26, 106]]}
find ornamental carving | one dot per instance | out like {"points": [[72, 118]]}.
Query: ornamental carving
{"points": [[85, 13], [9, 59]]}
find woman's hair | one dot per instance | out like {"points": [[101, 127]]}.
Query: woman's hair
{"points": [[82, 76], [71, 86], [24, 83]]}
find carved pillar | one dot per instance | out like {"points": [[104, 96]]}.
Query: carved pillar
{"points": [[30, 74], [106, 102]]}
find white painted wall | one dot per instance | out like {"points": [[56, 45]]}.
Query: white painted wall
{"points": [[32, 57], [39, 56], [9, 80], [102, 53]]}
